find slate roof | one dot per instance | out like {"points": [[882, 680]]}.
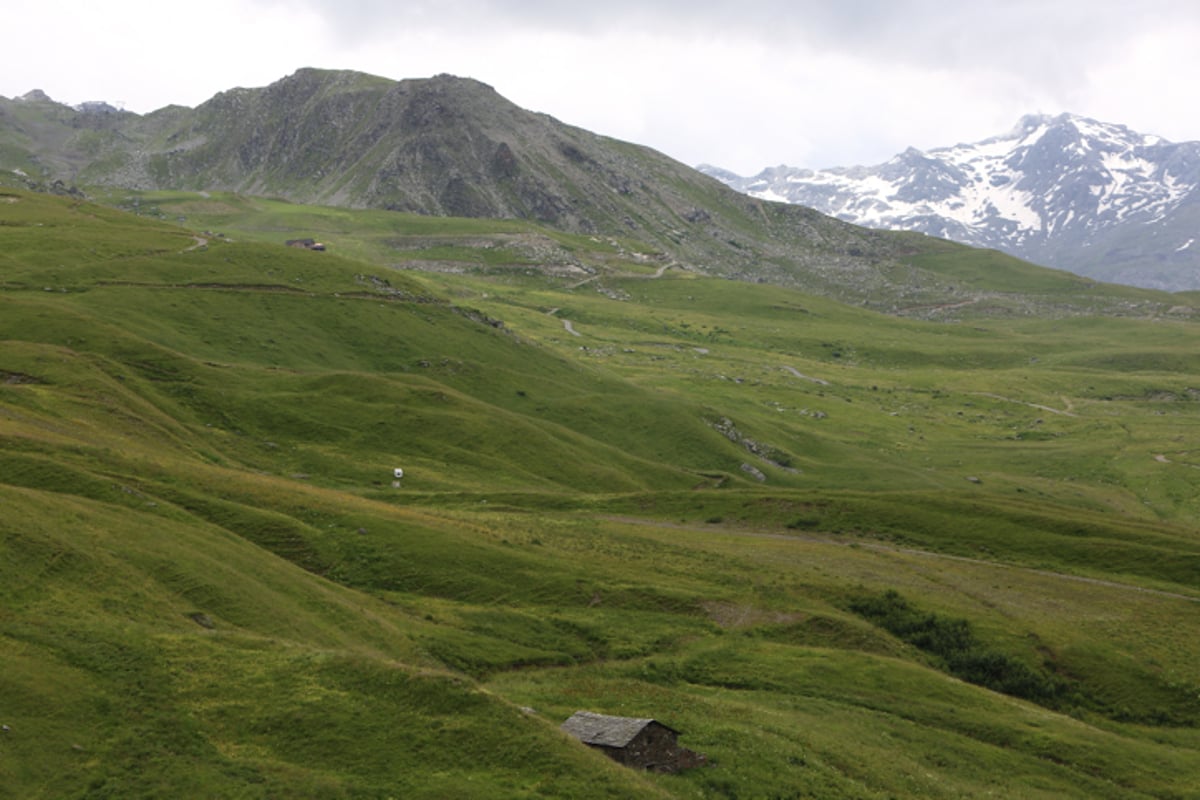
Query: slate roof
{"points": [[601, 729]]}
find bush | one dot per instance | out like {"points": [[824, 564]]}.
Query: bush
{"points": [[954, 644]]}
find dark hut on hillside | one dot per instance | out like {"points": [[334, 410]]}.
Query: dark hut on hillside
{"points": [[639, 743]]}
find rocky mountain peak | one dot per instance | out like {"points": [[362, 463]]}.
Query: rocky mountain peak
{"points": [[1065, 191], [97, 107], [36, 96]]}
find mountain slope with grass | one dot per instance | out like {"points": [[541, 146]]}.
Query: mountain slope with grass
{"points": [[448, 146], [437, 146], [847, 555]]}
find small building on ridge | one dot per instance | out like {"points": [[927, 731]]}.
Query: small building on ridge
{"points": [[639, 743]]}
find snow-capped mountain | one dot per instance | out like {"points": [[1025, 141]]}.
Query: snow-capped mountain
{"points": [[1066, 191]]}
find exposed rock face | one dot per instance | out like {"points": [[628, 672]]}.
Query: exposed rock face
{"points": [[766, 452], [754, 472]]}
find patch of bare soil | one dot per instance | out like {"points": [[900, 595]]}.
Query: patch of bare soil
{"points": [[14, 378]]}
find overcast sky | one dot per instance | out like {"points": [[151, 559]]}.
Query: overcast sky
{"points": [[743, 84]]}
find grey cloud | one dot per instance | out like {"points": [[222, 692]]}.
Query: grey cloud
{"points": [[1014, 56], [1047, 45], [923, 31], [1043, 42]]}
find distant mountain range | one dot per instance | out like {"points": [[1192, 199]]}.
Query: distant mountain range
{"points": [[1065, 191]]}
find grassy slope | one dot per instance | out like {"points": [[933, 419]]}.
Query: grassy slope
{"points": [[905, 274], [203, 437]]}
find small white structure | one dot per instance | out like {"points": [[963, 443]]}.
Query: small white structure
{"points": [[398, 473]]}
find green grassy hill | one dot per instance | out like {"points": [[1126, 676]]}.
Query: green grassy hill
{"points": [[848, 555]]}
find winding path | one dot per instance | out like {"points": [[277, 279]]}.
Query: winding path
{"points": [[1023, 403], [804, 377]]}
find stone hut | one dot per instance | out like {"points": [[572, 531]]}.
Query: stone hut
{"points": [[639, 743]]}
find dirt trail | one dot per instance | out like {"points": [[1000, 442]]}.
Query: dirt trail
{"points": [[1038, 406], [804, 377], [941, 306], [566, 323]]}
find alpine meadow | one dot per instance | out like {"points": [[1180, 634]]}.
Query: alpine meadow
{"points": [[859, 514]]}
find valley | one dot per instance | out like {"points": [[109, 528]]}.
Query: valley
{"points": [[945, 551]]}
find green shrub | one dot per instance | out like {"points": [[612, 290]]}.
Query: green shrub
{"points": [[954, 644]]}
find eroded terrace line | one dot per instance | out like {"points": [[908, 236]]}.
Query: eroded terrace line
{"points": [[885, 548]]}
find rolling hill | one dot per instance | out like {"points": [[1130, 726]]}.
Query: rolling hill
{"points": [[847, 554]]}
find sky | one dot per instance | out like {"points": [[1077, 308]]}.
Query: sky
{"points": [[742, 85]]}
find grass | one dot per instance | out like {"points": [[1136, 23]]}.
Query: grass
{"points": [[209, 586]]}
